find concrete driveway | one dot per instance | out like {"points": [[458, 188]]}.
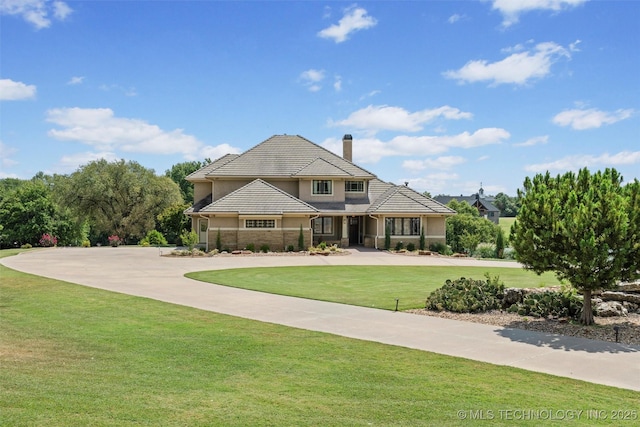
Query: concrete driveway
{"points": [[144, 272]]}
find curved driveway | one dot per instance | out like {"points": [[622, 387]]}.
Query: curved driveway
{"points": [[143, 272]]}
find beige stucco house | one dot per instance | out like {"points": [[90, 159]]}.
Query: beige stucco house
{"points": [[267, 194]]}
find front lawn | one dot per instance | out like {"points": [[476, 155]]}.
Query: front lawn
{"points": [[367, 286], [77, 356]]}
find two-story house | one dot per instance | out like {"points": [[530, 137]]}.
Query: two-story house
{"points": [[286, 184]]}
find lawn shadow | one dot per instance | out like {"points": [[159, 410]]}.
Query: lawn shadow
{"points": [[563, 342]]}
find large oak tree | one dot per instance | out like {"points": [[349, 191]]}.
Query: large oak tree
{"points": [[584, 227], [121, 198]]}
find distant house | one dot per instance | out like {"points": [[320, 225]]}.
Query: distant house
{"points": [[287, 183], [484, 204]]}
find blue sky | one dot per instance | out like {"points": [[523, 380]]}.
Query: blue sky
{"points": [[444, 95]]}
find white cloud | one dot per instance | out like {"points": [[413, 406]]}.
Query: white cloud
{"points": [[36, 12], [455, 18], [13, 91], [354, 19], [536, 140], [371, 150], [511, 10], [5, 155], [574, 163], [383, 117], [76, 80], [439, 163], [580, 119], [106, 133], [311, 79], [337, 84], [518, 68]]}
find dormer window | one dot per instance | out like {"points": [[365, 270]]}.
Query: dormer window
{"points": [[322, 186], [354, 186]]}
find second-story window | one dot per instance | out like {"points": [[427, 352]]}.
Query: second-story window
{"points": [[354, 186], [322, 186]]}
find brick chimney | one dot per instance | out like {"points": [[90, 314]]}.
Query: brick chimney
{"points": [[347, 147]]}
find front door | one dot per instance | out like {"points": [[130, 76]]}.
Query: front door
{"points": [[354, 230], [202, 230]]}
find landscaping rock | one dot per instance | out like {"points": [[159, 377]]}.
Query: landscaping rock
{"points": [[610, 309]]}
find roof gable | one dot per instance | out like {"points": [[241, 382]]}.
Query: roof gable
{"points": [[259, 198], [201, 174], [402, 199], [321, 167], [285, 156]]}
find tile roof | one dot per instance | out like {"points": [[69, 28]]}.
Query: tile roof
{"points": [[201, 174], [259, 198], [285, 156], [469, 199], [402, 199]]}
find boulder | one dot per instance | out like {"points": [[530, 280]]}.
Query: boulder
{"points": [[610, 309], [620, 296]]}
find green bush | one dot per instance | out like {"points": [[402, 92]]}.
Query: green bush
{"points": [[189, 239], [439, 247], [322, 245], [564, 303], [467, 295], [509, 253], [26, 246], [290, 248], [251, 247], [411, 247], [264, 248], [300, 239], [399, 246], [153, 238], [485, 250], [86, 243]]}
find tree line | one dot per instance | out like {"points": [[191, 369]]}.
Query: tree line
{"points": [[99, 200]]}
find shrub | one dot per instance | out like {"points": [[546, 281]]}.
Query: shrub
{"points": [[438, 247], [189, 239], [509, 253], [218, 240], [322, 245], [467, 295], [485, 250], [26, 246], [251, 247], [48, 240], [399, 246], [153, 238], [564, 303], [422, 239], [301, 239], [114, 240], [264, 248], [86, 243], [500, 243], [290, 248], [411, 247]]}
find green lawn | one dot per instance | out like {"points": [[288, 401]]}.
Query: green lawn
{"points": [[367, 286], [76, 356], [506, 223]]}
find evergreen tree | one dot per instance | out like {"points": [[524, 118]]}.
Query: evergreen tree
{"points": [[581, 226]]}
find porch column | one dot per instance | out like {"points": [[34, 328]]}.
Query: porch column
{"points": [[344, 238]]}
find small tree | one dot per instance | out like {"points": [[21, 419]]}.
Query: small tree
{"points": [[583, 227], [422, 241], [189, 239], [500, 243], [218, 241], [300, 239]]}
